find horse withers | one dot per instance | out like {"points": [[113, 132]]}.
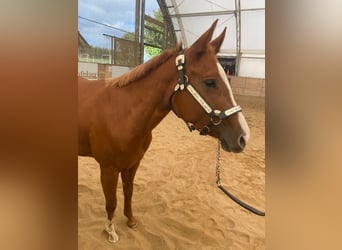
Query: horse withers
{"points": [[117, 116]]}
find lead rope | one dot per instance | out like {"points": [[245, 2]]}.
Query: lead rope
{"points": [[218, 182]]}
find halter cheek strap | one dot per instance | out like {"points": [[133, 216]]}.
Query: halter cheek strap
{"points": [[215, 115]]}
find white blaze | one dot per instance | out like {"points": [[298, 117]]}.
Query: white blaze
{"points": [[241, 118]]}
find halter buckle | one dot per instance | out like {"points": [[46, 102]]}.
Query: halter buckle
{"points": [[180, 59]]}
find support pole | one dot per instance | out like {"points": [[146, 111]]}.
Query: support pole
{"points": [[111, 47], [180, 24], [238, 36], [136, 33], [142, 31]]}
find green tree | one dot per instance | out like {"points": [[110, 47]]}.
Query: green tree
{"points": [[155, 35], [129, 36]]}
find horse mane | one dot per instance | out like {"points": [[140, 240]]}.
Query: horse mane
{"points": [[143, 69]]}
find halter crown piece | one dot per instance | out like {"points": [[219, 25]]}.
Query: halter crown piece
{"points": [[215, 115]]}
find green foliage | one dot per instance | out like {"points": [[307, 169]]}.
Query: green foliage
{"points": [[125, 47], [151, 51], [129, 36], [155, 35]]}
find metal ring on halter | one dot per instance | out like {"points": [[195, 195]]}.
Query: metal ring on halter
{"points": [[215, 117], [216, 120], [186, 78]]}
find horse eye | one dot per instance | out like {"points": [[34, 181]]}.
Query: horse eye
{"points": [[211, 83]]}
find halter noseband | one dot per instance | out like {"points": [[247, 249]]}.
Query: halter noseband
{"points": [[215, 115]]}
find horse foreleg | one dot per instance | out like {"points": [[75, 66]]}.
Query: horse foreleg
{"points": [[109, 181], [127, 177]]}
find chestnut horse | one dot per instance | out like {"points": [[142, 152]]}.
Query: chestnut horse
{"points": [[117, 116]]}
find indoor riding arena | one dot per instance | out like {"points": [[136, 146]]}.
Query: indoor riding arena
{"points": [[176, 201]]}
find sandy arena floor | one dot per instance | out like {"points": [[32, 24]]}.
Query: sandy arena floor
{"points": [[175, 200]]}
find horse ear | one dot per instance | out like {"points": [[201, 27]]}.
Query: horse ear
{"points": [[217, 42], [201, 43]]}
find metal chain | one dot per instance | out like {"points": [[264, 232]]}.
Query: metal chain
{"points": [[218, 155], [218, 182]]}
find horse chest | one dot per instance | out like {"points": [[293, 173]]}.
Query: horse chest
{"points": [[123, 151]]}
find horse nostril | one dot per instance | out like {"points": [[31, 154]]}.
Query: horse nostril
{"points": [[242, 142]]}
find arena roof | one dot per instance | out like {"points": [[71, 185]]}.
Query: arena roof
{"points": [[245, 22]]}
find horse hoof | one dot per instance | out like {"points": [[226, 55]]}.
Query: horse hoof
{"points": [[112, 235], [132, 224]]}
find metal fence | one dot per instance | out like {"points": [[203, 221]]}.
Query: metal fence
{"points": [[102, 43]]}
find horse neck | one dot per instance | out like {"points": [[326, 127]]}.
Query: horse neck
{"points": [[162, 82], [153, 92]]}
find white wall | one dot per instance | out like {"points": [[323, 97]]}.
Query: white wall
{"points": [[90, 70], [87, 70], [252, 67], [119, 70]]}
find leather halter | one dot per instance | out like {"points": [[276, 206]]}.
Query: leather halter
{"points": [[215, 115]]}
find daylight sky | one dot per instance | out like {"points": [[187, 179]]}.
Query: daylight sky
{"points": [[116, 13]]}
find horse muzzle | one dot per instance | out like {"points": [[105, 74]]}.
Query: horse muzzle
{"points": [[233, 146]]}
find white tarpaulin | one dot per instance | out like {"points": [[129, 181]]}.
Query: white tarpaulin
{"points": [[245, 22]]}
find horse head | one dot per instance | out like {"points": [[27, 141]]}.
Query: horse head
{"points": [[208, 105]]}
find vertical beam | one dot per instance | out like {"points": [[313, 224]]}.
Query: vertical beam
{"points": [[112, 61], [165, 35], [238, 35], [114, 51], [239, 50], [142, 31], [170, 35], [180, 23], [112, 47], [136, 33]]}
